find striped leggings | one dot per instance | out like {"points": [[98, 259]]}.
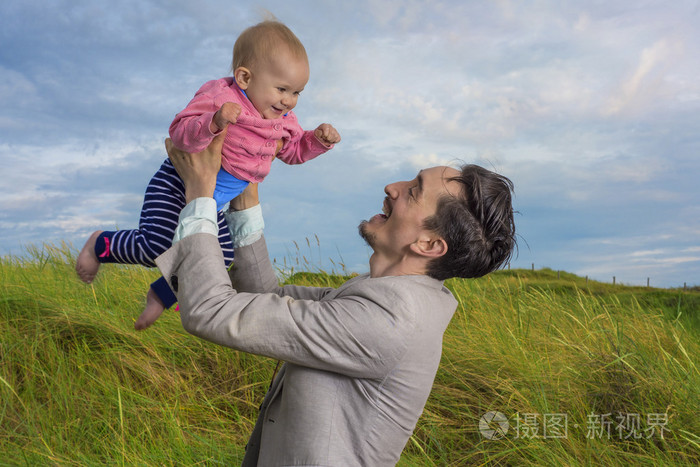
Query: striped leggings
{"points": [[164, 199]]}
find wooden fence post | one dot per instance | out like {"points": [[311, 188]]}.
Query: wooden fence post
{"points": [[613, 280], [533, 266]]}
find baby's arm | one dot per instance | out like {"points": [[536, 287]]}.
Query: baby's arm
{"points": [[327, 134], [227, 114], [205, 116], [311, 145]]}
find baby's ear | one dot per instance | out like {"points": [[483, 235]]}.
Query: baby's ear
{"points": [[242, 76]]}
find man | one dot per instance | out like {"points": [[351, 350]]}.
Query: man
{"points": [[360, 359]]}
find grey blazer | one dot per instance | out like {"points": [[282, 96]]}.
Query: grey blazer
{"points": [[360, 359]]}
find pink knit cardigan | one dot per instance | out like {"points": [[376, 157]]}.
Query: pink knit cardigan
{"points": [[250, 143]]}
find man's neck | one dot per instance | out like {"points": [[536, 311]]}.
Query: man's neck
{"points": [[405, 266]]}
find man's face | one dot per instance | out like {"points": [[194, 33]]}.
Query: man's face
{"points": [[406, 207]]}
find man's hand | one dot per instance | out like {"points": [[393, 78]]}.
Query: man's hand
{"points": [[327, 134], [198, 171], [227, 113]]}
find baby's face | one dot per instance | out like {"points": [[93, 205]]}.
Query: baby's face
{"points": [[275, 85]]}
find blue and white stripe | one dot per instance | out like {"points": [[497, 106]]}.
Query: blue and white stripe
{"points": [[163, 201]]}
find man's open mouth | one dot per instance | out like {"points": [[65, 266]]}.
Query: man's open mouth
{"points": [[386, 209]]}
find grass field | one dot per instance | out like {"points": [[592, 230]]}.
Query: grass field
{"points": [[585, 374]]}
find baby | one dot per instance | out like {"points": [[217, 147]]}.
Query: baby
{"points": [[270, 70]]}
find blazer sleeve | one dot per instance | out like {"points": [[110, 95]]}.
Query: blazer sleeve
{"points": [[362, 334], [252, 271]]}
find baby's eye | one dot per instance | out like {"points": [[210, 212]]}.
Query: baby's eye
{"points": [[281, 89]]}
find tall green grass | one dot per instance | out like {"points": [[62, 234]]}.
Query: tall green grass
{"points": [[78, 386]]}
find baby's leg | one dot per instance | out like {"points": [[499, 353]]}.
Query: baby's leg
{"points": [[154, 308], [160, 296], [87, 263], [163, 201]]}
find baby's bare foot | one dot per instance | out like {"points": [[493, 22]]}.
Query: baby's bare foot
{"points": [[154, 308], [87, 265]]}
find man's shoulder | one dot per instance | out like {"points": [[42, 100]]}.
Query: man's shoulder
{"points": [[417, 307], [407, 280], [406, 288]]}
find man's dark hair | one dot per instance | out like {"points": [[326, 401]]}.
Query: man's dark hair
{"points": [[478, 225]]}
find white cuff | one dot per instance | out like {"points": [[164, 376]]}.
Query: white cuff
{"points": [[199, 216], [245, 226]]}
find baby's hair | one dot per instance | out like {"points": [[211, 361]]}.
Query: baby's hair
{"points": [[263, 41]]}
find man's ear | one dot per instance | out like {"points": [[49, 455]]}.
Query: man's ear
{"points": [[242, 76], [430, 246]]}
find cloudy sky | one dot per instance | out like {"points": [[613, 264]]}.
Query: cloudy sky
{"points": [[592, 108]]}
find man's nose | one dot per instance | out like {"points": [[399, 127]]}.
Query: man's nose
{"points": [[392, 190]]}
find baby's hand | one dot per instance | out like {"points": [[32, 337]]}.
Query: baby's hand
{"points": [[327, 134], [228, 113]]}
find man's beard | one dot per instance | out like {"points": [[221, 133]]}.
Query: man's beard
{"points": [[368, 237]]}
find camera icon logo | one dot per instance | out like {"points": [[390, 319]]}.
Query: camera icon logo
{"points": [[493, 425]]}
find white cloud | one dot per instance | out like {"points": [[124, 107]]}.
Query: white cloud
{"points": [[643, 253], [421, 161], [647, 81], [590, 107], [15, 86]]}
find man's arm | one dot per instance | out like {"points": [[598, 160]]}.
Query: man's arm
{"points": [[252, 270], [244, 217], [362, 334]]}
